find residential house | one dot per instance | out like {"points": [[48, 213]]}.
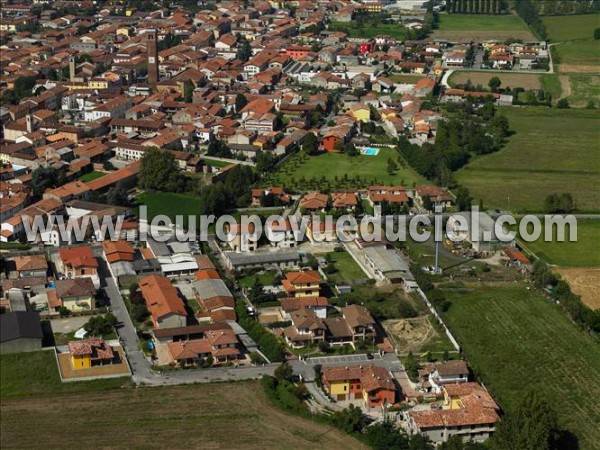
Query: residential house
{"points": [[449, 372], [166, 308], [305, 283], [31, 266], [393, 196], [373, 386], [435, 194], [306, 328], [290, 304], [282, 234], [91, 353], [78, 262], [76, 294], [314, 202], [469, 411], [242, 237]]}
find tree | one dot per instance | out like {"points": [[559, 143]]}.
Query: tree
{"points": [[265, 162], [244, 51], [108, 166], [563, 103], [43, 178], [383, 436], [412, 366], [63, 311], [391, 166], [463, 199], [240, 102], [427, 204], [159, 171], [494, 83], [532, 426], [118, 195], [188, 93], [324, 347], [100, 325], [350, 420], [310, 144], [597, 33], [284, 371]]}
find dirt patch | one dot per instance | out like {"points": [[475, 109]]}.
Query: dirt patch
{"points": [[576, 68], [565, 85], [468, 36], [524, 80], [410, 335], [584, 282]]}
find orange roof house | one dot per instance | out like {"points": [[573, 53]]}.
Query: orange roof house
{"points": [[314, 201], [77, 261], [118, 251], [302, 284], [163, 302]]}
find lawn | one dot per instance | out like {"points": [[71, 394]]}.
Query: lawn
{"points": [[91, 176], [583, 253], [347, 269], [369, 30], [517, 341], [552, 151], [583, 88], [216, 163], [481, 27], [169, 204], [36, 374], [344, 169], [223, 415], [265, 277]]}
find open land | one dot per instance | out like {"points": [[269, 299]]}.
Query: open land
{"points": [[480, 27], [584, 282], [328, 166], [585, 252], [541, 158], [346, 268], [221, 416], [169, 204], [517, 341], [577, 51]]}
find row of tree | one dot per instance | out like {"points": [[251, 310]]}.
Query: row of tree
{"points": [[477, 6], [526, 9], [543, 277]]}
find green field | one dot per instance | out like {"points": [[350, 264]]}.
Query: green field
{"points": [[577, 51], [216, 163], [516, 341], [169, 204], [583, 253], [329, 166], [552, 151], [369, 30], [36, 374], [91, 176], [209, 416], [481, 22], [347, 269], [266, 278], [567, 28], [584, 87]]}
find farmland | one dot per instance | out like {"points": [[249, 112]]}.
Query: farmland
{"points": [[576, 49], [540, 159], [517, 341], [343, 168], [195, 416], [466, 27], [584, 281], [583, 253]]}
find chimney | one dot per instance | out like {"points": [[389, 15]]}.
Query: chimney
{"points": [[72, 68], [29, 122]]}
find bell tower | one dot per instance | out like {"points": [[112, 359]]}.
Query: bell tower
{"points": [[152, 47]]}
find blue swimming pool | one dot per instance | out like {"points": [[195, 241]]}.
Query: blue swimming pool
{"points": [[370, 151]]}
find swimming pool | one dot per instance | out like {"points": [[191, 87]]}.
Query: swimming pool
{"points": [[370, 151]]}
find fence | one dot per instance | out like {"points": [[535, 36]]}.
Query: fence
{"points": [[440, 321]]}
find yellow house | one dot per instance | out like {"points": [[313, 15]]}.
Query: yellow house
{"points": [[75, 294], [361, 113], [90, 352], [124, 31], [305, 283], [98, 83]]}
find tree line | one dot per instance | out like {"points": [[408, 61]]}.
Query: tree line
{"points": [[477, 7], [528, 12]]}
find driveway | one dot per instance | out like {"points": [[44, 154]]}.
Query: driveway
{"points": [[342, 359]]}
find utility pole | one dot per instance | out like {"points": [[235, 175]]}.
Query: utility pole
{"points": [[438, 235]]}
